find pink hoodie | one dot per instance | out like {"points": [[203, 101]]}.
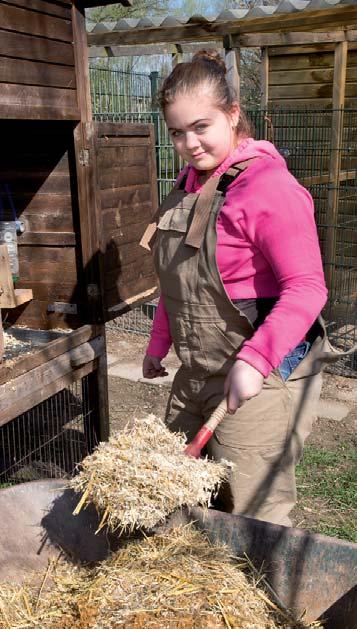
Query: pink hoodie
{"points": [[267, 246]]}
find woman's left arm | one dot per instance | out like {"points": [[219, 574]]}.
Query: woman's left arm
{"points": [[282, 227]]}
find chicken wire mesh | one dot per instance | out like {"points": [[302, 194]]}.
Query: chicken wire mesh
{"points": [[50, 439]]}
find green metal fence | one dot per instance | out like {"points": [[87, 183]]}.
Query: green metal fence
{"points": [[303, 137]]}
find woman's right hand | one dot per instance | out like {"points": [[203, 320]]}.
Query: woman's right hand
{"points": [[152, 367]]}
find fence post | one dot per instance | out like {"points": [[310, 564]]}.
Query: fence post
{"points": [[154, 83]]}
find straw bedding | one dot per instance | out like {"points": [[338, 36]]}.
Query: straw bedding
{"points": [[176, 580], [142, 475]]}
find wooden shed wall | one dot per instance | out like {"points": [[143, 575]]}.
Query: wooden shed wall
{"points": [[37, 73], [305, 78], [37, 163]]}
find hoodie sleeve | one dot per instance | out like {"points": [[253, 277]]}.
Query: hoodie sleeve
{"points": [[280, 223], [160, 337]]}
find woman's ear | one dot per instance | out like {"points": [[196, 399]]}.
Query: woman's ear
{"points": [[234, 114]]}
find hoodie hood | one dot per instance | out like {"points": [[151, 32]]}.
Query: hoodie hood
{"points": [[247, 149]]}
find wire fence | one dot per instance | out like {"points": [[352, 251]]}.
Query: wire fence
{"points": [[303, 137]]}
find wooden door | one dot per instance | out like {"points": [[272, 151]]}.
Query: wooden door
{"points": [[120, 159]]}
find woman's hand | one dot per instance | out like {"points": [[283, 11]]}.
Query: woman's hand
{"points": [[242, 383], [152, 367]]}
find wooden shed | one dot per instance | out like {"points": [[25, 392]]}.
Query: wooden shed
{"points": [[80, 194]]}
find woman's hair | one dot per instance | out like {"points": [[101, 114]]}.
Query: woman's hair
{"points": [[206, 68]]}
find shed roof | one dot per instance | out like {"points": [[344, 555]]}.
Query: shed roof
{"points": [[287, 15]]}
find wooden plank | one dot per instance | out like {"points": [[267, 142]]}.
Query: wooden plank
{"points": [[7, 294], [36, 73], [291, 77], [1, 339], [294, 38], [81, 61], [55, 183], [301, 61], [47, 238], [22, 20], [53, 292], [130, 293], [50, 263], [58, 8], [53, 221], [150, 49], [117, 177], [125, 198], [41, 382], [301, 91], [23, 46], [43, 394], [108, 130], [115, 156], [35, 315], [296, 21], [325, 178], [33, 102], [339, 93], [51, 350]]}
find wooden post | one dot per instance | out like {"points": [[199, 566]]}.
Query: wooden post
{"points": [[177, 57], [264, 86], [232, 59], [338, 101], [90, 238], [2, 348]]}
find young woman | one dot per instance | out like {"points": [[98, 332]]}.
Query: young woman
{"points": [[236, 251]]}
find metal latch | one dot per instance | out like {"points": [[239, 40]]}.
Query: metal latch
{"points": [[83, 157], [62, 307]]}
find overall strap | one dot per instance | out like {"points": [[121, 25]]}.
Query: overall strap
{"points": [[204, 202], [149, 234]]}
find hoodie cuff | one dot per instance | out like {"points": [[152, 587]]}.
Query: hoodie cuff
{"points": [[158, 348], [256, 360]]}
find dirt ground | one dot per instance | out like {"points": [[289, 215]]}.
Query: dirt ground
{"points": [[131, 399]]}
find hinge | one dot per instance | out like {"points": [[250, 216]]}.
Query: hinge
{"points": [[83, 157]]}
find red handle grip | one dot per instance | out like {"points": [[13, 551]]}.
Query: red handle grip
{"points": [[198, 442]]}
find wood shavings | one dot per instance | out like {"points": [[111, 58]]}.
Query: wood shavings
{"points": [[142, 475], [177, 580]]}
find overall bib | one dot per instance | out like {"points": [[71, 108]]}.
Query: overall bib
{"points": [[264, 438]]}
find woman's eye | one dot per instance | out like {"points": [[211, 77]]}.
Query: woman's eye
{"points": [[201, 128], [175, 134]]}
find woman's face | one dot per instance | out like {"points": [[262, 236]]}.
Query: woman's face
{"points": [[202, 134]]}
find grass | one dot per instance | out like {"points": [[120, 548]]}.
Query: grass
{"points": [[327, 482]]}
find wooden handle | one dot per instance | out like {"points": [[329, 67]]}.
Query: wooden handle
{"points": [[205, 433]]}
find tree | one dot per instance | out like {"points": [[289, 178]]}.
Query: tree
{"points": [[115, 12]]}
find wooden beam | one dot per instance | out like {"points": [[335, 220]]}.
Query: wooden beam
{"points": [[205, 31], [313, 180], [150, 49], [52, 349], [338, 102], [296, 38], [264, 79], [232, 59], [177, 57]]}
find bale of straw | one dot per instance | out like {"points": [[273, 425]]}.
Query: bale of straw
{"points": [[177, 580], [142, 475]]}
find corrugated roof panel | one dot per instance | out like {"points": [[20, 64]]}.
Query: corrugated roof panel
{"points": [[284, 7]]}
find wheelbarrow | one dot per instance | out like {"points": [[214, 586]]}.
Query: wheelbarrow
{"points": [[308, 572]]}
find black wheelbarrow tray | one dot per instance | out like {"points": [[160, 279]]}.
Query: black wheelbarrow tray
{"points": [[308, 572]]}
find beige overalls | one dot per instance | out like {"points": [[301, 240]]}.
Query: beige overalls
{"points": [[264, 438]]}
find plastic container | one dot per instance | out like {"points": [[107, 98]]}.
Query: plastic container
{"points": [[8, 236]]}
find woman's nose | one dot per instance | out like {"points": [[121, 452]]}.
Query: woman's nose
{"points": [[191, 140]]}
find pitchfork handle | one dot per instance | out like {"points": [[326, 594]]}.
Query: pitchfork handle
{"points": [[205, 433]]}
